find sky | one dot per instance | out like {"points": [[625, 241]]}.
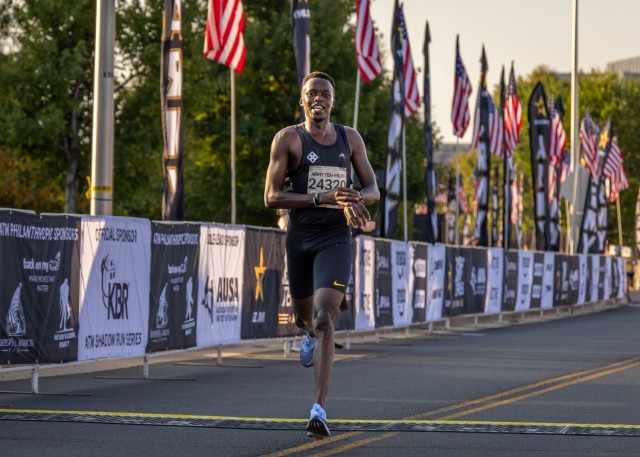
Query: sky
{"points": [[528, 32]]}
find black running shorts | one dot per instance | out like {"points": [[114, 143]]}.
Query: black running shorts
{"points": [[318, 256]]}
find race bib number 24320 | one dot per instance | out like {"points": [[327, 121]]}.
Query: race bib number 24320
{"points": [[324, 179]]}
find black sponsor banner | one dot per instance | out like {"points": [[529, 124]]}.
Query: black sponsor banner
{"points": [[536, 283], [562, 289], [39, 299], [615, 277], [574, 279], [476, 279], [601, 286], [347, 318], [383, 300], [539, 128], [510, 291], [456, 265], [262, 291], [173, 286], [419, 276]]}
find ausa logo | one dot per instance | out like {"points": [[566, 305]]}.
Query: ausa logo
{"points": [[115, 295], [16, 324]]}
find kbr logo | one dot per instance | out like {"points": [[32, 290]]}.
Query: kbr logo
{"points": [[115, 295]]}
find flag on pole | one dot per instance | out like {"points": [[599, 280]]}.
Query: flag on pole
{"points": [[512, 116], [614, 160], [432, 217], [460, 115], [565, 165], [367, 54], [410, 84], [589, 131], [300, 18], [171, 101], [223, 40], [483, 142], [558, 137], [496, 128]]}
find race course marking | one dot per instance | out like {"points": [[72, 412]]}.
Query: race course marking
{"points": [[338, 425]]}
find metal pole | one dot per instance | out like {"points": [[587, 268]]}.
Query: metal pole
{"points": [[233, 147], [357, 101], [619, 222], [457, 243], [404, 181], [101, 186], [575, 204]]}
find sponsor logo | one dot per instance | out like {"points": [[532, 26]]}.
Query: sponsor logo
{"points": [[162, 316], [337, 284], [260, 271], [16, 324], [178, 269], [64, 334], [115, 295], [312, 157]]}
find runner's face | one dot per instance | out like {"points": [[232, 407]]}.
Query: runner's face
{"points": [[317, 99]]}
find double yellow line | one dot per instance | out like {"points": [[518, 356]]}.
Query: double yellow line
{"points": [[448, 414]]}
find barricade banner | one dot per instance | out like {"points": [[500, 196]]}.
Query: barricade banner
{"points": [[383, 300], [601, 261], [263, 277], [583, 276], [114, 287], [38, 288], [364, 268], [457, 273], [495, 275], [622, 277], [220, 280], [549, 266], [418, 281], [536, 280], [286, 317], [173, 285], [436, 280], [400, 290], [562, 280], [476, 282], [607, 278], [615, 277], [594, 277], [574, 279], [525, 278], [347, 317], [510, 290]]}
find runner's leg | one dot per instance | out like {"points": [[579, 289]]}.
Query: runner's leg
{"points": [[326, 307]]}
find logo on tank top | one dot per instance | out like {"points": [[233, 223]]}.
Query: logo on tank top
{"points": [[312, 157]]}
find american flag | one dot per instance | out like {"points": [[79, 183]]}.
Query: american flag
{"points": [[512, 116], [621, 184], [589, 137], [614, 160], [223, 40], [411, 95], [496, 128], [516, 198], [460, 115], [558, 139], [565, 165], [367, 54]]}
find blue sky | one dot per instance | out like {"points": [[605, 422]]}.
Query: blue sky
{"points": [[528, 32]]}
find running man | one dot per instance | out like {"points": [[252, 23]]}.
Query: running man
{"points": [[316, 156]]}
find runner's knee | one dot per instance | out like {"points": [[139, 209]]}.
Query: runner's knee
{"points": [[325, 320]]}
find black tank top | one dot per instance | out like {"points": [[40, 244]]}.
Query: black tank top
{"points": [[321, 169]]}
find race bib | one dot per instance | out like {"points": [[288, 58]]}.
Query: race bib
{"points": [[324, 179]]}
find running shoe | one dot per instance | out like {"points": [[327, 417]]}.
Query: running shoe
{"points": [[317, 426], [306, 351]]}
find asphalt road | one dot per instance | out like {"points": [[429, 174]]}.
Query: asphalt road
{"points": [[554, 387]]}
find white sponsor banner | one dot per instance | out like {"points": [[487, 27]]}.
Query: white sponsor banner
{"points": [[221, 276], [495, 279], [525, 279], [400, 266], [115, 256], [595, 278], [546, 298], [582, 286], [607, 277], [622, 277], [365, 312], [435, 281]]}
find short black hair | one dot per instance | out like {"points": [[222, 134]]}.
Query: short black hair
{"points": [[319, 74]]}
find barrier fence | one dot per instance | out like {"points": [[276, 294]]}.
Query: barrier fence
{"points": [[76, 288]]}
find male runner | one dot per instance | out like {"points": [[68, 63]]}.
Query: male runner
{"points": [[317, 156]]}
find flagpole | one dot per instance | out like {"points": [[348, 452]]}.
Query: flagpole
{"points": [[575, 145], [619, 222], [456, 189], [404, 181], [357, 101], [233, 146]]}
